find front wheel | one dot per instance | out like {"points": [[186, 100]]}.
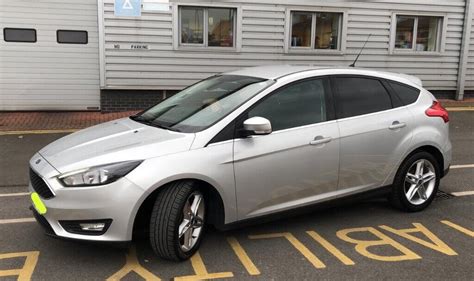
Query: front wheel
{"points": [[416, 182], [177, 221]]}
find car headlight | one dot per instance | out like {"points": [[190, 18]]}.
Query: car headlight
{"points": [[98, 175]]}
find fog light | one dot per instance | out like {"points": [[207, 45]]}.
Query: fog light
{"points": [[92, 226], [87, 227]]}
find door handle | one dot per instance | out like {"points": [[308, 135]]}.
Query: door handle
{"points": [[320, 140], [396, 125]]}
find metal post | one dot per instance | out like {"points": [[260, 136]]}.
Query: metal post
{"points": [[464, 55]]}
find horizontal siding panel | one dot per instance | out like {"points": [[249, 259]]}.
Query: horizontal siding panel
{"points": [[469, 84], [42, 86], [155, 57], [141, 39], [137, 24]]}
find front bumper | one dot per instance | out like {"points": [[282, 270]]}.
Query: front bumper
{"points": [[117, 201]]}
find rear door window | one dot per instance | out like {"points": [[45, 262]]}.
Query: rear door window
{"points": [[406, 93], [360, 95]]}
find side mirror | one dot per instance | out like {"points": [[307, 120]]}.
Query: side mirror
{"points": [[257, 126]]}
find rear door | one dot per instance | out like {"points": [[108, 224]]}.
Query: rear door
{"points": [[375, 130]]}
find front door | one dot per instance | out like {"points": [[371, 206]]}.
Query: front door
{"points": [[297, 164]]}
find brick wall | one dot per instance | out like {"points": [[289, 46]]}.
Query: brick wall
{"points": [[126, 100]]}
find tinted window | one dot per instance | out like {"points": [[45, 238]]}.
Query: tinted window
{"points": [[72, 36], [406, 93], [357, 96], [296, 105], [19, 35]]}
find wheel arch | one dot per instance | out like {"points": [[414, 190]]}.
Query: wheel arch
{"points": [[215, 204], [427, 147], [433, 150]]}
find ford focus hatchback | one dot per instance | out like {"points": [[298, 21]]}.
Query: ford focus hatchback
{"points": [[239, 146]]}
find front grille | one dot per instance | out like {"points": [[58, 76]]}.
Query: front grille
{"points": [[40, 186]]}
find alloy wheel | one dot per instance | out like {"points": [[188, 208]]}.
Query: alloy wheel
{"points": [[191, 226], [420, 182]]}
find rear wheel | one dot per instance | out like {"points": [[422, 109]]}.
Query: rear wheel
{"points": [[416, 182], [177, 221]]}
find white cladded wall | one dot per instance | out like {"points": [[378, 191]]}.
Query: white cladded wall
{"points": [[261, 38], [46, 75], [51, 76], [469, 84]]}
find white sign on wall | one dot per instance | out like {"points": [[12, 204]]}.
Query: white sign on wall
{"points": [[156, 5]]}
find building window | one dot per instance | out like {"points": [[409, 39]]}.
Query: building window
{"points": [[418, 33], [72, 36], [208, 27], [318, 30], [24, 35]]}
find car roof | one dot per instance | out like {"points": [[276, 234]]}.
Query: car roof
{"points": [[276, 72]]}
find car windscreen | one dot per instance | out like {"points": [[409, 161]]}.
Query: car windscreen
{"points": [[203, 104]]}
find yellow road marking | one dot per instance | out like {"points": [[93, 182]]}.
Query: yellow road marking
{"points": [[38, 132], [132, 264], [201, 271], [459, 228], [436, 243], [14, 194], [243, 257], [22, 220], [26, 271], [461, 108], [296, 243], [362, 246], [331, 248], [461, 166]]}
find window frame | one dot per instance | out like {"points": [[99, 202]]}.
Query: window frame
{"points": [[21, 28], [328, 96], [441, 36], [342, 31], [393, 98], [72, 30], [177, 45]]}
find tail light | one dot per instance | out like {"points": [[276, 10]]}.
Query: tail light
{"points": [[437, 110]]}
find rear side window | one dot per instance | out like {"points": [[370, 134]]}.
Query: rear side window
{"points": [[358, 96], [25, 35], [298, 104], [406, 93], [72, 36]]}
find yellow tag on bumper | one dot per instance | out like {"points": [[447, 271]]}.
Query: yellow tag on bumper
{"points": [[38, 204]]}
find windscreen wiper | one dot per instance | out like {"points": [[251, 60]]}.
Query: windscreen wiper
{"points": [[164, 127], [141, 119]]}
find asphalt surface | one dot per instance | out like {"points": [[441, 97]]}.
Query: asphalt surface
{"points": [[447, 253]]}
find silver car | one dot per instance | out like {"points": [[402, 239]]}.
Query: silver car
{"points": [[240, 146]]}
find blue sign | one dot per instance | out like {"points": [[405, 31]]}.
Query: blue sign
{"points": [[128, 8]]}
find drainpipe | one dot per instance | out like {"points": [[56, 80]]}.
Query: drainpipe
{"points": [[463, 58]]}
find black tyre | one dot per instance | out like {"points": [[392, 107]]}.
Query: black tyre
{"points": [[416, 182], [177, 221]]}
